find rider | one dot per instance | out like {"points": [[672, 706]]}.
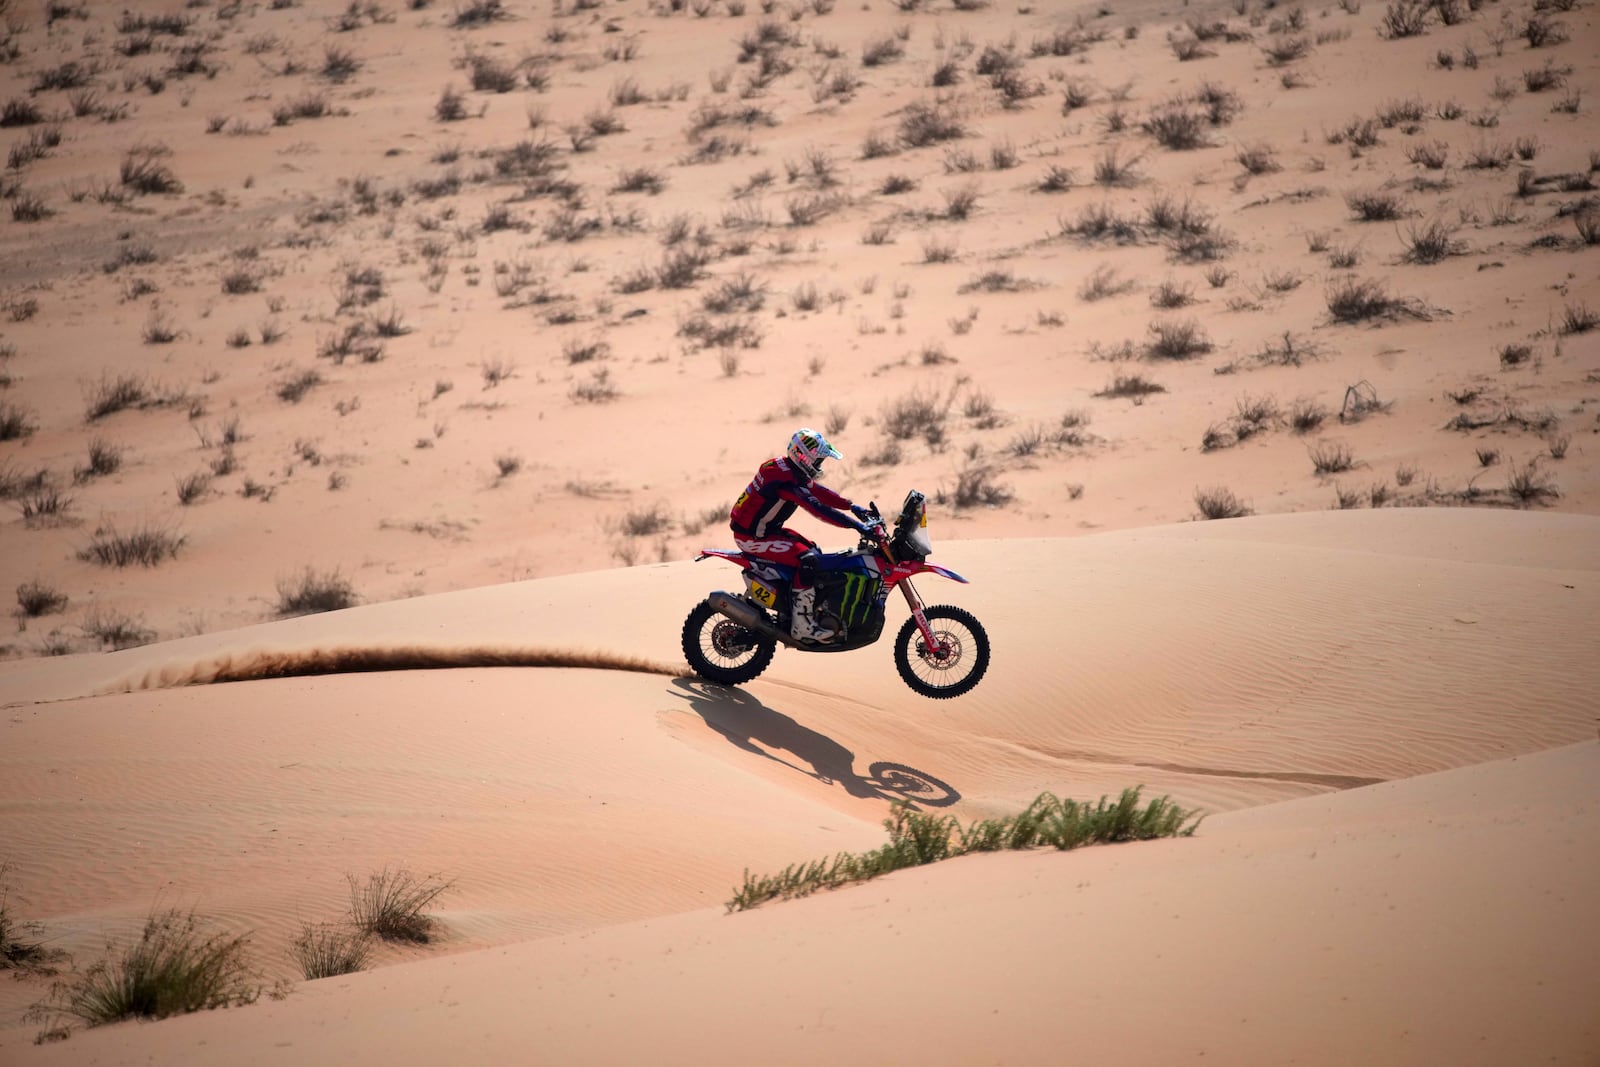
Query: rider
{"points": [[782, 484]]}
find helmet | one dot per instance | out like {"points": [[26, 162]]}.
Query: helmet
{"points": [[807, 450]]}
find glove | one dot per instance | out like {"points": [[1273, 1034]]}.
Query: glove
{"points": [[859, 512], [870, 531]]}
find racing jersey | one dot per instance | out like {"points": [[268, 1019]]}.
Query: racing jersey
{"points": [[775, 492]]}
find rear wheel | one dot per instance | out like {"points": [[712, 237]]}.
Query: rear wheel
{"points": [[720, 650], [954, 664]]}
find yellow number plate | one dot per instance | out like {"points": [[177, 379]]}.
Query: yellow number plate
{"points": [[762, 594]]}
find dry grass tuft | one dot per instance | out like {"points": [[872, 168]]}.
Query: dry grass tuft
{"points": [[1219, 502], [312, 591]]}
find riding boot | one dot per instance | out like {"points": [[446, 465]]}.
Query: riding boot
{"points": [[803, 623]]}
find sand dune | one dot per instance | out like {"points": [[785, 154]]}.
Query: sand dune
{"points": [[1442, 919], [1229, 665]]}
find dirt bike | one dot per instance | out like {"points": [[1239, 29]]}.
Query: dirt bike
{"points": [[940, 652]]}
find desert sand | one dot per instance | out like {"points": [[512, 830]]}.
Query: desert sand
{"points": [[476, 317]]}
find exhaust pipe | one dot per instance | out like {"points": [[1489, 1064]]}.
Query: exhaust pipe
{"points": [[746, 614]]}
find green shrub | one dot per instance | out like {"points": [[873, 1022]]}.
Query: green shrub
{"points": [[917, 838], [173, 968]]}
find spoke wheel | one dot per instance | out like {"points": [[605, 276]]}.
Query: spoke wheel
{"points": [[953, 664], [720, 650]]}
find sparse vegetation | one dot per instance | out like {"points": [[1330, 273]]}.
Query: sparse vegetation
{"points": [[15, 422], [45, 505], [1376, 205], [917, 838], [191, 487], [114, 393], [311, 591], [1104, 282], [34, 598], [174, 967], [294, 388], [1431, 243], [21, 949], [1578, 318], [1177, 127], [506, 464], [1306, 416], [147, 545], [1219, 502], [1176, 339], [923, 123], [1359, 300], [1530, 485], [144, 172], [998, 280], [977, 486], [113, 629], [1331, 457], [476, 13], [1170, 294], [1132, 386], [327, 951]]}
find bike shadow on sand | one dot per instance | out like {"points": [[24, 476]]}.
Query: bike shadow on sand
{"points": [[751, 726]]}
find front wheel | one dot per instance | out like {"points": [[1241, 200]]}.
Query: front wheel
{"points": [[720, 650], [951, 667]]}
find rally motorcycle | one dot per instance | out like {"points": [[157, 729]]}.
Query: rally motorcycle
{"points": [[940, 652]]}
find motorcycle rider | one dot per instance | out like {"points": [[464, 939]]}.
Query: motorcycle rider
{"points": [[782, 484]]}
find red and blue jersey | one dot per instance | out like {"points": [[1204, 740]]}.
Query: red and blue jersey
{"points": [[774, 494]]}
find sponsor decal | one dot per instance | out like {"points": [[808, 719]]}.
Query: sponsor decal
{"points": [[759, 547], [860, 591]]}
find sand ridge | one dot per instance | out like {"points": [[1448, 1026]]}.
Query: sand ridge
{"points": [[569, 800]]}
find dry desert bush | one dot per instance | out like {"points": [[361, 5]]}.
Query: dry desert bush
{"points": [[1331, 457], [1361, 299], [1132, 386], [16, 422], [1219, 502], [392, 904], [145, 545], [327, 950], [115, 629], [310, 591]]}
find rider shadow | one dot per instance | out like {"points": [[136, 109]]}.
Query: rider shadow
{"points": [[751, 726]]}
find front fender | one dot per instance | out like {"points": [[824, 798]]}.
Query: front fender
{"points": [[933, 568]]}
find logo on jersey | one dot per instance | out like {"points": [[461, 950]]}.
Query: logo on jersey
{"points": [[761, 547]]}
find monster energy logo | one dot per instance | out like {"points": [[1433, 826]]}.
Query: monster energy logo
{"points": [[860, 590]]}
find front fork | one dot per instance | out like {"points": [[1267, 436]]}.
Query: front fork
{"points": [[930, 642]]}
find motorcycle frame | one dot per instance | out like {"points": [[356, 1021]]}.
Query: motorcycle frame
{"points": [[898, 575]]}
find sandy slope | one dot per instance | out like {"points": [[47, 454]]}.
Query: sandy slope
{"points": [[1231, 665], [1440, 920]]}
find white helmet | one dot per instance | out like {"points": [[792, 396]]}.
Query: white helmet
{"points": [[807, 450]]}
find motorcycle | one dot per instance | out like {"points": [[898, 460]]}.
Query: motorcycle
{"points": [[940, 652]]}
